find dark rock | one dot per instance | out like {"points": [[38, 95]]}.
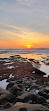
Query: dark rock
{"points": [[48, 76], [5, 96], [18, 56], [34, 87], [21, 86], [3, 58], [15, 90], [30, 59], [11, 56], [47, 63], [6, 106], [27, 96], [44, 94], [46, 89], [22, 109], [2, 62], [9, 85], [40, 100], [19, 81], [39, 72]]}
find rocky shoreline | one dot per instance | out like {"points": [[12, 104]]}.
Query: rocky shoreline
{"points": [[27, 89]]}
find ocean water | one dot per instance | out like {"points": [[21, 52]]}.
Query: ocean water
{"points": [[40, 54]]}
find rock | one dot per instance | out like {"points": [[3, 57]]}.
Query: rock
{"points": [[46, 89], [44, 94], [37, 62], [9, 85], [21, 86], [39, 72], [5, 97], [40, 100], [22, 109], [6, 106], [27, 96], [27, 107], [17, 56], [19, 81], [15, 90], [12, 57], [47, 63], [47, 101], [31, 60], [48, 76], [34, 87]]}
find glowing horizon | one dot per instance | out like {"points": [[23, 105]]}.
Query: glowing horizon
{"points": [[24, 24]]}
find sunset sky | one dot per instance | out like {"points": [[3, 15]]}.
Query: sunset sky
{"points": [[24, 23]]}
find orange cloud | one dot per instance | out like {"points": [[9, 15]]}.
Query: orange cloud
{"points": [[20, 37]]}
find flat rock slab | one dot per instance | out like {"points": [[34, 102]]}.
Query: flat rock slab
{"points": [[27, 107]]}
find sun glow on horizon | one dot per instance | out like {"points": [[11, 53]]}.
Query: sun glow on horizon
{"points": [[22, 38], [28, 46]]}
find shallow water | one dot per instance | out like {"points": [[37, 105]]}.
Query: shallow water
{"points": [[3, 83], [42, 67]]}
